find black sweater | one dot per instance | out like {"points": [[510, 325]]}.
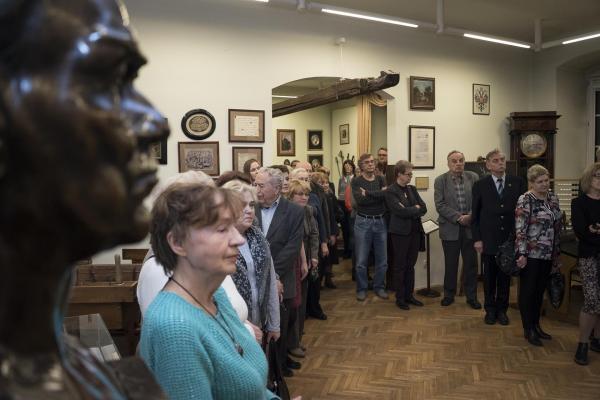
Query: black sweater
{"points": [[585, 211]]}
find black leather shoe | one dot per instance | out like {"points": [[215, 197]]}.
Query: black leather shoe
{"points": [[329, 283], [446, 301], [581, 355], [292, 364], [475, 305], [490, 318], [595, 345], [402, 305], [502, 318], [412, 300], [288, 373], [321, 316], [542, 334], [532, 337]]}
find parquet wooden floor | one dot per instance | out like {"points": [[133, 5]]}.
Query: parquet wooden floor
{"points": [[374, 350]]}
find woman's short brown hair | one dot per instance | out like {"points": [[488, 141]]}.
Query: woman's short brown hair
{"points": [[401, 167], [318, 177], [182, 206], [297, 186], [588, 175]]}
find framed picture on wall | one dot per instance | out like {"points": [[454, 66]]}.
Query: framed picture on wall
{"points": [[316, 160], [345, 134], [247, 126], [315, 139], [422, 93], [286, 142], [198, 124], [199, 156], [158, 151], [240, 155], [421, 146], [481, 99]]}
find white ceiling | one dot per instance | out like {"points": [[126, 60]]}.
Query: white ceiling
{"points": [[513, 19]]}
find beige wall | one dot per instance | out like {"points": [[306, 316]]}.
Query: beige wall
{"points": [[220, 54]]}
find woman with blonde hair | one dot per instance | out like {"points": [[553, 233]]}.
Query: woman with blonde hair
{"points": [[585, 215], [255, 277], [538, 220]]}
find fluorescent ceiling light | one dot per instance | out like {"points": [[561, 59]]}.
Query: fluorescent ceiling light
{"points": [[262, 1], [280, 96], [491, 39], [579, 39], [368, 17]]}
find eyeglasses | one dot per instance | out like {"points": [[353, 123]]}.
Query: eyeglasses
{"points": [[596, 176]]}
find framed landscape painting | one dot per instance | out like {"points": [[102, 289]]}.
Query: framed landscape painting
{"points": [[422, 93]]}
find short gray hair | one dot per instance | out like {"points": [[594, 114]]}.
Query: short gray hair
{"points": [[535, 171], [492, 153], [241, 187], [275, 176]]}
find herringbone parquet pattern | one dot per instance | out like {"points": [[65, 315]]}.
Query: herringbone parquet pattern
{"points": [[373, 350]]}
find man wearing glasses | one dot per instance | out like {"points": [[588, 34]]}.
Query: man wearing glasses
{"points": [[370, 228]]}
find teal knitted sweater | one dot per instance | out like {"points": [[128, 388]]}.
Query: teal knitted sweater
{"points": [[192, 357]]}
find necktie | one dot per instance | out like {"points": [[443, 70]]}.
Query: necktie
{"points": [[500, 186]]}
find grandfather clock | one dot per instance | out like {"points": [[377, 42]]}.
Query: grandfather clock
{"points": [[532, 140]]}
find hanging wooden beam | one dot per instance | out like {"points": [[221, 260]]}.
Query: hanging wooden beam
{"points": [[345, 89]]}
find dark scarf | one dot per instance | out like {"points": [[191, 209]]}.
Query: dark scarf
{"points": [[261, 255]]}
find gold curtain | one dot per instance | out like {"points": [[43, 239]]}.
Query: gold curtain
{"points": [[364, 120]]}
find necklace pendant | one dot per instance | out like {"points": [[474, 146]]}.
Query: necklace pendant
{"points": [[239, 349]]}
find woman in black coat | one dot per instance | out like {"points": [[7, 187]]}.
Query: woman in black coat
{"points": [[406, 209]]}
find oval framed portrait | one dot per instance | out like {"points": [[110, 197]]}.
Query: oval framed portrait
{"points": [[533, 145], [198, 124]]}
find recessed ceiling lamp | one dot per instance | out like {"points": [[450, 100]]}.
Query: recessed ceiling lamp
{"points": [[494, 40], [579, 39], [280, 96], [368, 17]]}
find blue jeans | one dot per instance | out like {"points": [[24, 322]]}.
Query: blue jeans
{"points": [[370, 233]]}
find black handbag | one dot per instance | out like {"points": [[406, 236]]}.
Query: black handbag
{"points": [[275, 381], [506, 257], [556, 289]]}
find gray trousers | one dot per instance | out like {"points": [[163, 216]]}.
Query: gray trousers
{"points": [[452, 250]]}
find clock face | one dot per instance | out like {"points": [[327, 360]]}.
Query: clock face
{"points": [[533, 145]]}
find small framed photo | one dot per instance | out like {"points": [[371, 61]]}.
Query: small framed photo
{"points": [[422, 93], [481, 99], [198, 124], [421, 146], [422, 182], [247, 126], [203, 156], [345, 134], [316, 160], [286, 142], [158, 151], [242, 154], [315, 140]]}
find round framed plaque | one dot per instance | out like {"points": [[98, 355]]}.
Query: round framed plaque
{"points": [[533, 145], [198, 124]]}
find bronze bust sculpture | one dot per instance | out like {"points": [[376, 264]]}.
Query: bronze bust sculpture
{"points": [[74, 169]]}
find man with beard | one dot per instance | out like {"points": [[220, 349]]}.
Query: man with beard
{"points": [[74, 169]]}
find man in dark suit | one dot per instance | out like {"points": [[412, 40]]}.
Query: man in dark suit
{"points": [[452, 195], [282, 223], [494, 201]]}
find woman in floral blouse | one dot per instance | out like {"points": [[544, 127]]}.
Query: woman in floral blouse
{"points": [[538, 223]]}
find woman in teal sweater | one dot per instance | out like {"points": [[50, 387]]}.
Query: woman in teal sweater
{"points": [[192, 339]]}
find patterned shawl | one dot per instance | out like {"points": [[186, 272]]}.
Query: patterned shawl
{"points": [[261, 255]]}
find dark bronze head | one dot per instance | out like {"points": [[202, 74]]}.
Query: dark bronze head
{"points": [[74, 132]]}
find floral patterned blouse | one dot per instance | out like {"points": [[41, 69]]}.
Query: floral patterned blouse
{"points": [[538, 223]]}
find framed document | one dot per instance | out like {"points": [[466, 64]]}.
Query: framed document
{"points": [[247, 126], [429, 226], [242, 154], [421, 146]]}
